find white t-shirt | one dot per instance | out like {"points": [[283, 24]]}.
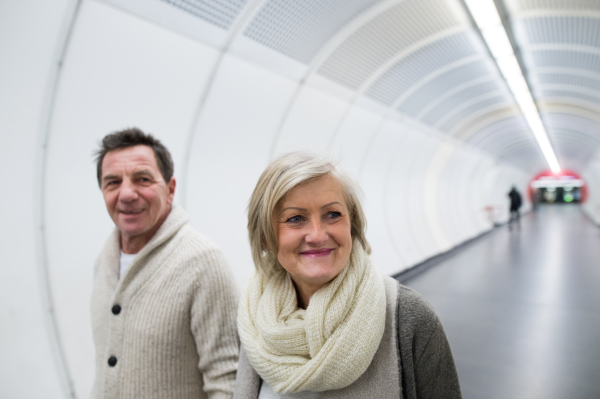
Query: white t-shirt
{"points": [[266, 392], [124, 262]]}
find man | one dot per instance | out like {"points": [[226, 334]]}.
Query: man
{"points": [[515, 204], [164, 300]]}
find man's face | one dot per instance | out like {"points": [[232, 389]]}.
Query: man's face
{"points": [[137, 197]]}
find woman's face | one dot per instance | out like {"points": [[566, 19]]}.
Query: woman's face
{"points": [[312, 226]]}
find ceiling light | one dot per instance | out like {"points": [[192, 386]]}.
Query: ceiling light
{"points": [[486, 17]]}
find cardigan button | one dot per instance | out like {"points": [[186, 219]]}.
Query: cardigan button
{"points": [[116, 309], [112, 361]]}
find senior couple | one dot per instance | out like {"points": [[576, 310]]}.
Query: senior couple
{"points": [[316, 319]]}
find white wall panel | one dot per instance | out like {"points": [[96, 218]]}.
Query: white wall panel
{"points": [[465, 207], [374, 180], [491, 179], [474, 204], [481, 169], [592, 205], [450, 197], [398, 195], [592, 178], [353, 137], [230, 150], [267, 57], [31, 35], [418, 168], [120, 71], [424, 194], [431, 196], [311, 121], [591, 174]]}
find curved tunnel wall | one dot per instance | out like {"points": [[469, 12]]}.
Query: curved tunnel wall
{"points": [[224, 108], [592, 178]]}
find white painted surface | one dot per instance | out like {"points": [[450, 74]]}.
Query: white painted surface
{"points": [[374, 179], [30, 35], [133, 74], [230, 150], [122, 70], [311, 121]]}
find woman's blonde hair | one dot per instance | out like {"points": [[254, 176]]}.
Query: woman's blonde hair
{"points": [[279, 178]]}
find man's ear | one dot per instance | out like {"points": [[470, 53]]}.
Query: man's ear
{"points": [[171, 185]]}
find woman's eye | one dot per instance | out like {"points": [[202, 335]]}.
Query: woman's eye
{"points": [[294, 219], [333, 215]]}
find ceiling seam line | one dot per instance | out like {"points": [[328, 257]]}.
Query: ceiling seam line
{"points": [[241, 23]]}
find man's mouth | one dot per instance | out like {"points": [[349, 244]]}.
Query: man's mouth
{"points": [[132, 212]]}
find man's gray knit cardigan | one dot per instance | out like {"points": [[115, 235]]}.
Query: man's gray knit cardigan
{"points": [[166, 329], [413, 361]]}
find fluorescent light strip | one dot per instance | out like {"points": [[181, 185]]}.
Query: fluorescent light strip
{"points": [[486, 16]]}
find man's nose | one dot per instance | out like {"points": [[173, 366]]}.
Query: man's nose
{"points": [[317, 232], [128, 193]]}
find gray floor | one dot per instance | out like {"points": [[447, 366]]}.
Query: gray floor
{"points": [[522, 308]]}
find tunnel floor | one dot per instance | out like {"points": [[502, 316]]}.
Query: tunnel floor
{"points": [[522, 308]]}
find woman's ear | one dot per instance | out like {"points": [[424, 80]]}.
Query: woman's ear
{"points": [[264, 243]]}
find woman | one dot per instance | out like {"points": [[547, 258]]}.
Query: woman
{"points": [[317, 320]]}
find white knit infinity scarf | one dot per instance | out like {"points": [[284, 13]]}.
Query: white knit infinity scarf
{"points": [[325, 347]]}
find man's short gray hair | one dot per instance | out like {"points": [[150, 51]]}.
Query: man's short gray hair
{"points": [[279, 178]]}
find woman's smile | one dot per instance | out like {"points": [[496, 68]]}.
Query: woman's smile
{"points": [[317, 253]]}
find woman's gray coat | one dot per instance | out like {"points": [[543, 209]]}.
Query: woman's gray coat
{"points": [[414, 360]]}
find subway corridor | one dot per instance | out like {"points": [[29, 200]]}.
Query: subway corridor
{"points": [[522, 308], [438, 108]]}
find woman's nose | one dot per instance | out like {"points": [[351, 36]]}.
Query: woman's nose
{"points": [[317, 232]]}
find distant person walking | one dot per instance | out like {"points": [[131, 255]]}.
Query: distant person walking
{"points": [[515, 204]]}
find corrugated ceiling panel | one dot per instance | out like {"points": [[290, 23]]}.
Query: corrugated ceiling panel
{"points": [[502, 127], [423, 62], [528, 158], [221, 13], [570, 94], [472, 109], [569, 146], [590, 141], [566, 59], [527, 5], [388, 34], [436, 86], [563, 121], [501, 134], [565, 79], [560, 30], [566, 120], [501, 144], [300, 28], [438, 112]]}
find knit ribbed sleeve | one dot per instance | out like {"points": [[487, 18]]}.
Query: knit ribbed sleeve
{"points": [[214, 330]]}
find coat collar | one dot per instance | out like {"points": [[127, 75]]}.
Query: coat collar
{"points": [[176, 219]]}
